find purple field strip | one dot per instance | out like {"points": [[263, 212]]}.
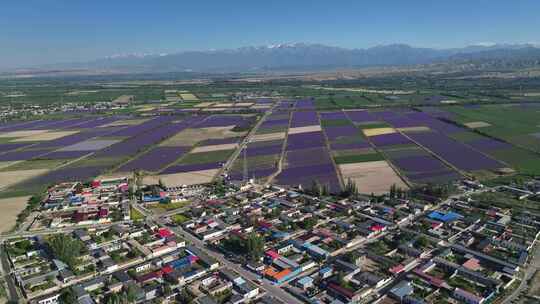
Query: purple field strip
{"points": [[307, 157], [13, 126], [22, 155], [286, 104], [336, 115], [266, 150], [96, 123], [66, 174], [273, 123], [433, 123], [143, 127], [434, 177], [304, 118], [264, 101], [64, 154], [348, 146], [384, 115], [32, 125], [336, 132], [389, 140], [488, 144], [134, 144], [437, 112], [305, 104], [305, 140], [252, 173], [423, 163], [221, 121], [191, 168], [9, 147], [324, 174], [459, 155], [360, 116], [74, 138], [69, 123], [401, 122], [155, 159]]}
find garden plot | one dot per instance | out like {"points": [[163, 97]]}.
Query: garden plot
{"points": [[372, 177]]}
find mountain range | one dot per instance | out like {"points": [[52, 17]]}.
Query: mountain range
{"points": [[304, 56]]}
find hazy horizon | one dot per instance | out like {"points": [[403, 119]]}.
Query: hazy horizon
{"points": [[47, 32]]}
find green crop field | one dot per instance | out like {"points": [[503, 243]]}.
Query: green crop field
{"points": [[359, 158]]}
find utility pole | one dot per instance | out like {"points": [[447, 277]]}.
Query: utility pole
{"points": [[244, 164]]}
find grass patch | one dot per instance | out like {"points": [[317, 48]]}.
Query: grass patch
{"points": [[335, 122], [179, 219], [374, 125], [170, 206], [361, 158], [135, 215], [524, 161], [466, 136]]}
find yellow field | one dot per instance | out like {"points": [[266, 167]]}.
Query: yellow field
{"points": [[378, 131], [211, 148], [22, 133], [305, 129], [477, 124], [45, 136], [8, 178], [203, 105], [188, 97], [11, 207], [372, 177]]}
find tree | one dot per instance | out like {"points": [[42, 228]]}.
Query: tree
{"points": [[131, 293], [350, 189], [255, 246], [161, 184], [68, 296], [66, 249]]}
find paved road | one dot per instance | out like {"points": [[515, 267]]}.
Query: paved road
{"points": [[271, 289], [227, 166], [55, 230], [5, 267], [529, 272]]}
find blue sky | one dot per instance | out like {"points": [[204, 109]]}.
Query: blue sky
{"points": [[35, 32]]}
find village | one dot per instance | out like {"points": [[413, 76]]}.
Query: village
{"points": [[102, 242]]}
